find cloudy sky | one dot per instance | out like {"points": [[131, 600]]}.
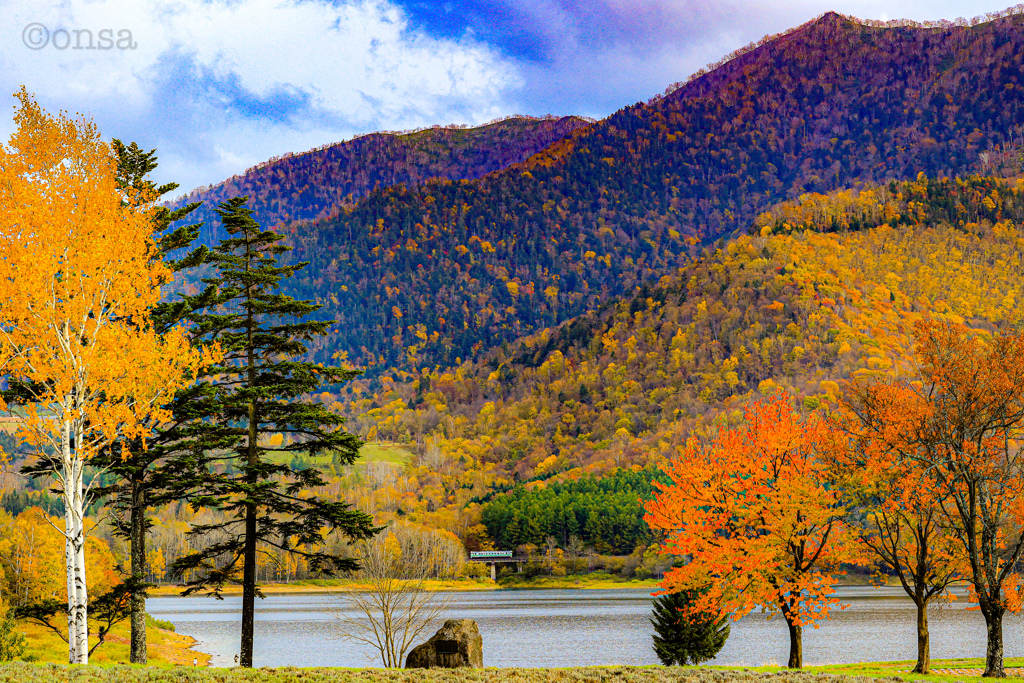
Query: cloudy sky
{"points": [[217, 86]]}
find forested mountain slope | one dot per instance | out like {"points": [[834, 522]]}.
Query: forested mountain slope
{"points": [[805, 302], [318, 183], [431, 274]]}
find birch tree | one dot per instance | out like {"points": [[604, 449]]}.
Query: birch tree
{"points": [[77, 280]]}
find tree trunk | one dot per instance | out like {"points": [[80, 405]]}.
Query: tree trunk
{"points": [[81, 590], [249, 551], [248, 586], [924, 655], [138, 551], [796, 646], [74, 556], [69, 566], [994, 646]]}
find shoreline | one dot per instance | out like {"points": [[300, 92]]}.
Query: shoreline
{"points": [[578, 582], [469, 585]]}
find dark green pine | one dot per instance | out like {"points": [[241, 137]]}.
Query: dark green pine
{"points": [[254, 393], [682, 639]]}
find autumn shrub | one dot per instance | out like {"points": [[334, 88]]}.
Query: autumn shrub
{"points": [[12, 641]]}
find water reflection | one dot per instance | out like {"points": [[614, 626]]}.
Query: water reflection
{"points": [[542, 628]]}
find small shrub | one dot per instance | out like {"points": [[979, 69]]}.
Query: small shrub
{"points": [[158, 623], [12, 641], [682, 637]]}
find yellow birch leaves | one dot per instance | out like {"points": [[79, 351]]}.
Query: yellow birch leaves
{"points": [[78, 277]]}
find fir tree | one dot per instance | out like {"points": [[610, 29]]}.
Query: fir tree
{"points": [[139, 484], [255, 393], [684, 638]]}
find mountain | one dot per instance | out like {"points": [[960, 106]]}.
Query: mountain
{"points": [[825, 288], [320, 182], [432, 274]]}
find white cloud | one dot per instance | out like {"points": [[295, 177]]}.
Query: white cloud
{"points": [[219, 85]]}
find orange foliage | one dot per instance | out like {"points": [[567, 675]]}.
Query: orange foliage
{"points": [[752, 510], [961, 423]]}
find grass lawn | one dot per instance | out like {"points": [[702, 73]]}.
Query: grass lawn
{"points": [[333, 585], [944, 669], [883, 672], [380, 451], [28, 673], [165, 647], [377, 451]]}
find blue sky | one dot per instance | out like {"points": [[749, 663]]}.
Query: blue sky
{"points": [[217, 86]]}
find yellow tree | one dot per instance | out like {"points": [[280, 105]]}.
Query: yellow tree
{"points": [[77, 280]]}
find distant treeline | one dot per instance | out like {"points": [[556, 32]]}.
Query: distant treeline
{"points": [[606, 513], [16, 502]]}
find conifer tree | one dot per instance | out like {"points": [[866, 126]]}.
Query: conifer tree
{"points": [[682, 637], [139, 484], [255, 393]]}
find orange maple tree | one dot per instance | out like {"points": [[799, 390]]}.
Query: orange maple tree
{"points": [[897, 503], [961, 423], [753, 512], [78, 278]]}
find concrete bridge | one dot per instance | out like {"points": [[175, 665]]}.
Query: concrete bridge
{"points": [[496, 557]]}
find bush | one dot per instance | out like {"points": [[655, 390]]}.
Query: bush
{"points": [[682, 636], [12, 641]]}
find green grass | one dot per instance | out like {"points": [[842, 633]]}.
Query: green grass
{"points": [[153, 622], [902, 669], [165, 648], [396, 454], [887, 672], [339, 585]]}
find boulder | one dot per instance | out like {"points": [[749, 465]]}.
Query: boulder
{"points": [[456, 644]]}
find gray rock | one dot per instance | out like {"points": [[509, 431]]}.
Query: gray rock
{"points": [[456, 644]]}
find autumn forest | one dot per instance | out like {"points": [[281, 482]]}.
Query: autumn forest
{"points": [[753, 338]]}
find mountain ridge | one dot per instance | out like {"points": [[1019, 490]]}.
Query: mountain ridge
{"points": [[317, 183], [430, 274]]}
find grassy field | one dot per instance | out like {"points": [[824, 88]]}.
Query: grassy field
{"points": [[943, 670], [887, 672], [377, 451], [165, 647], [28, 673], [596, 580], [380, 451]]}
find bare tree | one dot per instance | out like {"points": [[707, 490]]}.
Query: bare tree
{"points": [[398, 605], [575, 549]]}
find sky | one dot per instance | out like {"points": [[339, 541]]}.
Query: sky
{"points": [[218, 86]]}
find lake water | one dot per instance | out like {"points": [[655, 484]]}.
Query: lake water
{"points": [[545, 628]]}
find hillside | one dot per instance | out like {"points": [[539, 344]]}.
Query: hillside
{"points": [[786, 307], [320, 182], [428, 275]]}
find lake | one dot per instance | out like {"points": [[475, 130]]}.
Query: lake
{"points": [[547, 628]]}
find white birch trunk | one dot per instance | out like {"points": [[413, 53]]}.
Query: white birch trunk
{"points": [[74, 552], [69, 564]]}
